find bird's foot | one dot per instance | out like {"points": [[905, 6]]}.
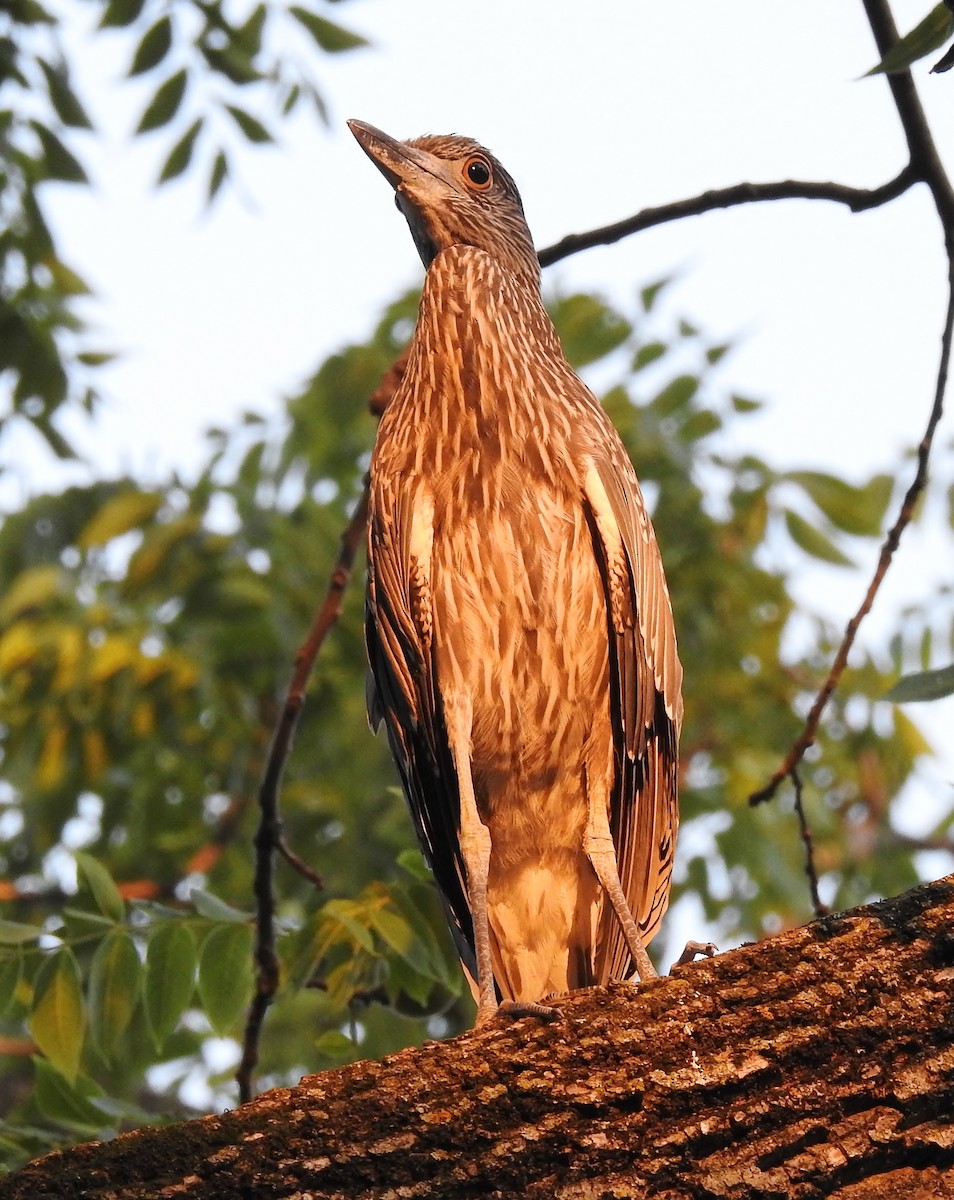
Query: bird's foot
{"points": [[513, 1010], [693, 951]]}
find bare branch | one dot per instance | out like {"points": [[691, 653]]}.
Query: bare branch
{"points": [[911, 497], [821, 910], [269, 838], [857, 199]]}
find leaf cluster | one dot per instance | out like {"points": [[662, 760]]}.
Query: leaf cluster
{"points": [[215, 79]]}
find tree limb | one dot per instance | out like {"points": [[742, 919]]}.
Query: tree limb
{"points": [[857, 199], [817, 1063]]}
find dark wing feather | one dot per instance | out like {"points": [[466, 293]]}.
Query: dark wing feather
{"points": [[402, 691], [646, 699]]}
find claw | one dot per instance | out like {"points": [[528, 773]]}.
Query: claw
{"points": [[693, 951], [515, 1009]]}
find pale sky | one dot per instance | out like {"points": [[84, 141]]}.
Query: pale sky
{"points": [[597, 110]]}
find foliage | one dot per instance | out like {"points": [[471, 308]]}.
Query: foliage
{"points": [[142, 637], [928, 35], [209, 65]]}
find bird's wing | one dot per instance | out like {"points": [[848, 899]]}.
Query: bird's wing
{"points": [[646, 698], [402, 689]]}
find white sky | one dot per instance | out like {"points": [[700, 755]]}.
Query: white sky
{"points": [[597, 110]]}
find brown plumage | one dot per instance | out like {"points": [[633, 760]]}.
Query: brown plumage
{"points": [[519, 628]]}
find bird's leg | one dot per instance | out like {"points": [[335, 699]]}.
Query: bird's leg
{"points": [[475, 850], [599, 848]]}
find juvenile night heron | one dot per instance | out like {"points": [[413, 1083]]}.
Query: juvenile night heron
{"points": [[519, 628]]}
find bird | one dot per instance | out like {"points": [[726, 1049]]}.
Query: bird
{"points": [[519, 626]]}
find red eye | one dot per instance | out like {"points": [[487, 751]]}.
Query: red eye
{"points": [[478, 173]]}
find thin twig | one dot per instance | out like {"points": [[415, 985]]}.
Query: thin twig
{"points": [[925, 164], [857, 199], [268, 838], [810, 729], [821, 910]]}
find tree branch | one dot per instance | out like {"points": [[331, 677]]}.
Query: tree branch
{"points": [[269, 838], [856, 199], [925, 163], [817, 1063], [889, 546]]}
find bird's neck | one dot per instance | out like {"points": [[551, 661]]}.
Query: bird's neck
{"points": [[487, 379], [483, 333]]}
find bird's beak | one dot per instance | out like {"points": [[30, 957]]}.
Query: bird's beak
{"points": [[405, 168]]}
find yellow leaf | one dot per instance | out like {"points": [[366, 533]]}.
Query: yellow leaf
{"points": [[30, 589], [18, 647], [112, 655], [71, 650], [143, 719], [51, 766], [910, 736], [95, 757], [57, 1022], [129, 510]]}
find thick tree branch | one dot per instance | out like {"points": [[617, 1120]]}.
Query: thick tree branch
{"points": [[818, 1063]]}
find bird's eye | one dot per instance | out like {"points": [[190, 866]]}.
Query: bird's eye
{"points": [[477, 170]]}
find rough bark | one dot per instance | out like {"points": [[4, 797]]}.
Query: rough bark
{"points": [[817, 1063]]}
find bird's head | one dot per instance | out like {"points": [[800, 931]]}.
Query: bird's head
{"points": [[453, 192]]}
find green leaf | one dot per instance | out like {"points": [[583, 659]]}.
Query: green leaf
{"points": [[121, 13], [398, 934], [225, 974], [120, 514], [153, 47], [923, 685], [96, 358], [413, 862], [165, 103], [742, 404], [58, 162], [181, 153], [170, 977], [856, 510], [11, 973], [114, 981], [233, 62], [649, 295], [589, 329], [218, 174], [253, 129], [249, 35], [330, 37], [65, 102], [650, 353], [926, 36], [812, 542], [333, 1044], [675, 395], [14, 933], [100, 883], [699, 424], [58, 1019], [215, 909], [716, 354], [67, 1104], [66, 279]]}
